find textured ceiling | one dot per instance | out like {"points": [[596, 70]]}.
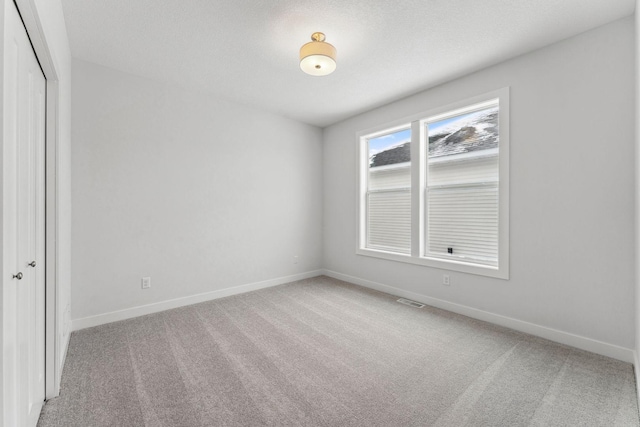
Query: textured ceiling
{"points": [[247, 50]]}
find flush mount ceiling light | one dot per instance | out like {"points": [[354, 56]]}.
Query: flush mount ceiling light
{"points": [[317, 57]]}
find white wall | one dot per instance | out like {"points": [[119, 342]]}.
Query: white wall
{"points": [[572, 190], [199, 193]]}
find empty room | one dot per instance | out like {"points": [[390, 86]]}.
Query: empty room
{"points": [[297, 213]]}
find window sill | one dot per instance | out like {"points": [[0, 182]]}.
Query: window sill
{"points": [[450, 265]]}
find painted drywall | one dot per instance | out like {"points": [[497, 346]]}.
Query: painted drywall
{"points": [[199, 193], [572, 190]]}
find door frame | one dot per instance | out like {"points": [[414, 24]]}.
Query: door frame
{"points": [[54, 315]]}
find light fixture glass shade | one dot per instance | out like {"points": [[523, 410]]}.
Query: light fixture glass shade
{"points": [[317, 57]]}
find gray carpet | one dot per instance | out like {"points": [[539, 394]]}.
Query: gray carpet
{"points": [[321, 352]]}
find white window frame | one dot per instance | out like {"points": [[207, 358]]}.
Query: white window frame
{"points": [[418, 185], [366, 191]]}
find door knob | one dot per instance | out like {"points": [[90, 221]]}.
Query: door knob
{"points": [[18, 276], [32, 264]]}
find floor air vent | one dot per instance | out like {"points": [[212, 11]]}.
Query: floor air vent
{"points": [[411, 303]]}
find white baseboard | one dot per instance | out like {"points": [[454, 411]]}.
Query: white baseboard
{"points": [[636, 371], [583, 343], [63, 358], [128, 313]]}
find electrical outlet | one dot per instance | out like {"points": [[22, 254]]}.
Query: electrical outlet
{"points": [[295, 259], [445, 280], [146, 282]]}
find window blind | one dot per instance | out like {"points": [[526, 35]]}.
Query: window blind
{"points": [[389, 220], [463, 219]]}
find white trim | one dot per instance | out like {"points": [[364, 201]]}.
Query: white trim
{"points": [[461, 108], [393, 166], [465, 157], [388, 130], [53, 364], [64, 349], [441, 263], [33, 24], [418, 175], [566, 338], [141, 310], [389, 190], [636, 371]]}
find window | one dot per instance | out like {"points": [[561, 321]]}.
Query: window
{"points": [[389, 191], [434, 188]]}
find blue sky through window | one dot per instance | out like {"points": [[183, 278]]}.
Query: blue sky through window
{"points": [[387, 141]]}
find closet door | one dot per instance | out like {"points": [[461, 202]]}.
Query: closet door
{"points": [[23, 227]]}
